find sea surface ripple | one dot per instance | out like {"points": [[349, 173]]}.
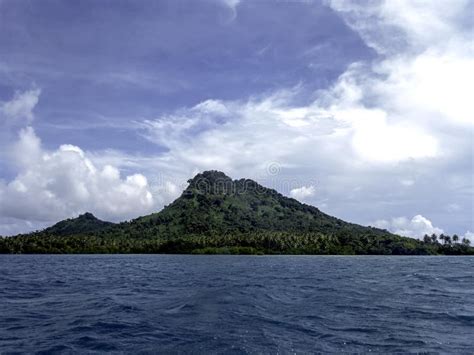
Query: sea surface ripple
{"points": [[236, 304]]}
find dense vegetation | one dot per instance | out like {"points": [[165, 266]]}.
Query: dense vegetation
{"points": [[83, 224], [253, 243], [218, 215]]}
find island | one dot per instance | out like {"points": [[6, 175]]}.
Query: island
{"points": [[218, 215]]}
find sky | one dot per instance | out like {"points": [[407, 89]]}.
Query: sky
{"points": [[361, 108]]}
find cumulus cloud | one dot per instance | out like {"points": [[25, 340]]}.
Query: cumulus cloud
{"points": [[20, 107], [231, 136], [404, 119], [379, 140], [390, 110], [303, 192], [376, 134], [469, 236], [64, 182], [416, 227], [14, 226], [426, 72]]}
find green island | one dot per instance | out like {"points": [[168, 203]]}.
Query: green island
{"points": [[218, 215]]}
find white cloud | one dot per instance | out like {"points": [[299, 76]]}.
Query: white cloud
{"points": [[401, 118], [303, 192], [417, 227], [14, 226], [469, 236], [229, 136], [376, 140], [426, 72], [365, 131], [389, 26], [20, 107], [56, 184], [407, 182], [231, 5]]}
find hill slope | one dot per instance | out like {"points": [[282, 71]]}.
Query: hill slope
{"points": [[216, 214], [83, 224], [214, 204]]}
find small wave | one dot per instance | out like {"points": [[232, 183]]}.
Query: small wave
{"points": [[179, 308], [56, 349], [92, 343], [191, 304], [355, 330]]}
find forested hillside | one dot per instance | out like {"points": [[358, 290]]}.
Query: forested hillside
{"points": [[216, 214]]}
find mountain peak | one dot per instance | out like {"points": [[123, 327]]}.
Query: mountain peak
{"points": [[87, 216], [210, 182], [217, 213], [84, 223], [211, 176]]}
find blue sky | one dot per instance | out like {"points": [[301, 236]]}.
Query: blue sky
{"points": [[101, 64], [361, 109]]}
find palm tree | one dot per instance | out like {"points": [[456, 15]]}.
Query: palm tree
{"points": [[447, 240], [434, 238], [441, 237], [455, 238], [466, 241], [427, 238]]}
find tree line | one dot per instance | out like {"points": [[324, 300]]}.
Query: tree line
{"points": [[445, 239], [258, 242]]}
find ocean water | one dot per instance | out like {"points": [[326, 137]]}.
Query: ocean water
{"points": [[236, 304]]}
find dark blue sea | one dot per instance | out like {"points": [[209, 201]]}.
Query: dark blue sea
{"points": [[236, 304]]}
